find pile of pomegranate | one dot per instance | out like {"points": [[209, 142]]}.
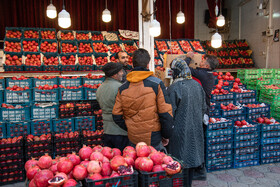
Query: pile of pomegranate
{"points": [[97, 163]]}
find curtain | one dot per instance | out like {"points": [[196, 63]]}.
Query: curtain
{"points": [[211, 7], [86, 15]]}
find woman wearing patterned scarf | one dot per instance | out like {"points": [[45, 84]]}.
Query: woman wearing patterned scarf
{"points": [[188, 104]]}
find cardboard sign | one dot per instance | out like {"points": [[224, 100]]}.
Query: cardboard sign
{"points": [[169, 57]]}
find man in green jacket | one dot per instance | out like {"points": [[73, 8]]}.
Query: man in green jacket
{"points": [[114, 136]]}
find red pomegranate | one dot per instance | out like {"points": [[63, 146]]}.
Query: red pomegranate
{"points": [[70, 175], [157, 168], [137, 161], [167, 159], [53, 168], [156, 157], [96, 156], [139, 145], [143, 151], [85, 152], [80, 172], [85, 163], [31, 172], [32, 183], [172, 167], [129, 161], [105, 159], [106, 169], [42, 177], [65, 166], [75, 159], [146, 164], [117, 152], [130, 153], [125, 170], [45, 162], [108, 152], [128, 148], [96, 176], [114, 174], [30, 163], [63, 175], [94, 166], [116, 162], [152, 149], [70, 183], [97, 148]]}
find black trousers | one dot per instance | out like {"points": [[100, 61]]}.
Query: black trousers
{"points": [[115, 141]]}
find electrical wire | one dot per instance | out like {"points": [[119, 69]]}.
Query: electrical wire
{"points": [[170, 24]]}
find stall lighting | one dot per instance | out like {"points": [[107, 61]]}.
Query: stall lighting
{"points": [[216, 40], [221, 21], [180, 17], [51, 11], [106, 14], [64, 19], [155, 29]]}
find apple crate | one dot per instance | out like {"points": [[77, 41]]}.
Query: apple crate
{"points": [[41, 82], [219, 146], [70, 81], [121, 181], [63, 125], [219, 153], [36, 149], [21, 83], [13, 29], [50, 30], [14, 50], [65, 146], [85, 123], [71, 94], [50, 67], [74, 43], [17, 97], [90, 94], [87, 33], [50, 41], [254, 116], [220, 125], [2, 130], [45, 95], [15, 129], [17, 114], [32, 68], [70, 32], [86, 67], [44, 111], [246, 163], [96, 34], [39, 127], [222, 97], [218, 167]]}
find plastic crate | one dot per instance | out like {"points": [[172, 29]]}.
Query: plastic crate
{"points": [[71, 94], [270, 134], [93, 81], [246, 163], [31, 29], [217, 167], [245, 100], [85, 123], [245, 94], [3, 132], [1, 96], [269, 154], [12, 151], [219, 146], [91, 140], [270, 147], [83, 32], [21, 83], [215, 160], [219, 153], [220, 125], [246, 150], [219, 139], [13, 68], [16, 97], [50, 67], [257, 110], [219, 132], [86, 67], [63, 125], [74, 81], [273, 140], [39, 127], [67, 110], [49, 42], [270, 160], [254, 116], [85, 42], [19, 114], [271, 127], [225, 113], [246, 143], [237, 117], [215, 113], [65, 32], [48, 29], [45, 95], [246, 136], [15, 129], [36, 149], [64, 146], [222, 97], [41, 82], [72, 67], [28, 67], [44, 111], [14, 29], [90, 94], [224, 102], [86, 108], [121, 181], [96, 33]]}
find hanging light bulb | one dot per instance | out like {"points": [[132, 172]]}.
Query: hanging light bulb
{"points": [[216, 40], [106, 14], [216, 10], [64, 19], [180, 16], [155, 29], [51, 11], [221, 21]]}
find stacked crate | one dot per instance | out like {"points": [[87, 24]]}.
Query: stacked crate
{"points": [[255, 112], [219, 139], [246, 146]]}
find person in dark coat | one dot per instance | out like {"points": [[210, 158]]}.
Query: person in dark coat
{"points": [[188, 104]]}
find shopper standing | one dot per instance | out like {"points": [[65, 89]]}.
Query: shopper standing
{"points": [[188, 103], [122, 58], [114, 136], [142, 106]]}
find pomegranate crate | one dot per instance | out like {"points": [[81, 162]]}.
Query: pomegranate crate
{"points": [[12, 45], [96, 36], [246, 163], [270, 154], [161, 45], [101, 59], [41, 82], [237, 117], [68, 35], [273, 140], [246, 136], [67, 109], [70, 81], [254, 116], [258, 110], [220, 166], [220, 125], [226, 113], [8, 31], [13, 68], [270, 160], [47, 42], [222, 97], [39, 127], [85, 123], [89, 93], [2, 130], [1, 96], [36, 33], [219, 153], [10, 82], [63, 125], [219, 146], [64, 50], [215, 113], [18, 176], [221, 132], [54, 64], [246, 150], [71, 94], [93, 81], [250, 94], [66, 144], [92, 140], [45, 95], [219, 139], [11, 150], [246, 143], [44, 111], [18, 97], [91, 66], [270, 134], [15, 129], [22, 113], [218, 160], [51, 36], [86, 108], [25, 43], [36, 149], [121, 181], [196, 45], [271, 127], [81, 51], [245, 100], [86, 34]]}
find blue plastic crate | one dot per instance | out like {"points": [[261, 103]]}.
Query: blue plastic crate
{"points": [[71, 94], [15, 129], [33, 68], [15, 97], [237, 117], [267, 154], [2, 84], [219, 139], [257, 110], [41, 82], [221, 166], [271, 127], [241, 157], [222, 97], [85, 123], [70, 82], [20, 83], [14, 29], [51, 68], [31, 29], [218, 153], [93, 81], [87, 67], [215, 113], [19, 114], [13, 68], [246, 143], [219, 132], [90, 94], [1, 96], [63, 125], [68, 67], [214, 160], [245, 94], [224, 102], [219, 146], [246, 136], [246, 150], [242, 130], [226, 113], [220, 125], [270, 160], [270, 147], [3, 132], [254, 116], [39, 127], [245, 100], [45, 95], [246, 163], [44, 111], [274, 140], [270, 134]]}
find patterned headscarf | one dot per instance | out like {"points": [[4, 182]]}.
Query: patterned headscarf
{"points": [[180, 69]]}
